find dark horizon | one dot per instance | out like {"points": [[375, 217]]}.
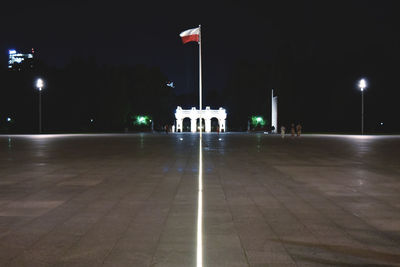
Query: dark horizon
{"points": [[313, 54]]}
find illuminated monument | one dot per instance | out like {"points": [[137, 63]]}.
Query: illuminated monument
{"points": [[18, 61], [274, 112], [194, 114]]}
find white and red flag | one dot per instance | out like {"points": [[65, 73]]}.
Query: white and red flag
{"points": [[192, 35]]}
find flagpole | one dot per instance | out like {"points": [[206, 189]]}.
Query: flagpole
{"points": [[200, 83]]}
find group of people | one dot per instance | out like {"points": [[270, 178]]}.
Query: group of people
{"points": [[293, 130]]}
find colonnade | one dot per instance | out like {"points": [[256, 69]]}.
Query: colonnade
{"points": [[194, 114]]}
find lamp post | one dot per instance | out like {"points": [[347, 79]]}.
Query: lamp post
{"points": [[362, 84], [39, 86]]}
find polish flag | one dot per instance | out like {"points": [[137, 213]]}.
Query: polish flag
{"points": [[191, 35]]}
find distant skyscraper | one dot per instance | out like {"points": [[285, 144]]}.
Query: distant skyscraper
{"points": [[18, 61]]}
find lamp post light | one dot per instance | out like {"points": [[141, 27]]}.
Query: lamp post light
{"points": [[362, 84], [39, 86]]}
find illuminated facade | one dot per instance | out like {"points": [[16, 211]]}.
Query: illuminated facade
{"points": [[194, 114], [18, 61]]}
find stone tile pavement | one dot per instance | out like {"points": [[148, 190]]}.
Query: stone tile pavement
{"points": [[131, 200]]}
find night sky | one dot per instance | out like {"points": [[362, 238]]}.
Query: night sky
{"points": [[133, 32]]}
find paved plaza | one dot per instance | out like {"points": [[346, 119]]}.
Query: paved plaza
{"points": [[132, 200]]}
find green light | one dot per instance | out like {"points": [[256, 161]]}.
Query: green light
{"points": [[257, 121], [142, 120]]}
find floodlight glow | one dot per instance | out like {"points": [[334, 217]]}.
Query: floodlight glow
{"points": [[8, 119], [362, 84], [257, 121], [11, 52], [39, 84], [142, 120]]}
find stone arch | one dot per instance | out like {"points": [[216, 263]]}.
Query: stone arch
{"points": [[214, 124], [186, 124], [194, 114]]}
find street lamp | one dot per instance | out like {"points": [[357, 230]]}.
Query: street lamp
{"points": [[362, 84], [39, 86]]}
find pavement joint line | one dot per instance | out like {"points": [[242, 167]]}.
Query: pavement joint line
{"points": [[132, 220], [53, 229], [296, 216], [153, 259], [75, 213], [281, 241], [97, 222], [327, 217], [266, 222], [40, 190], [233, 221], [46, 189], [67, 201]]}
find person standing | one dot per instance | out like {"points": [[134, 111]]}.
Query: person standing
{"points": [[298, 129], [283, 129], [292, 129]]}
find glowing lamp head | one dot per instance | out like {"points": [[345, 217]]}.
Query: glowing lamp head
{"points": [[8, 119], [362, 84], [11, 52], [39, 84]]}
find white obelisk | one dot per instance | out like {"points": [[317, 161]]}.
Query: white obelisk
{"points": [[274, 112]]}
